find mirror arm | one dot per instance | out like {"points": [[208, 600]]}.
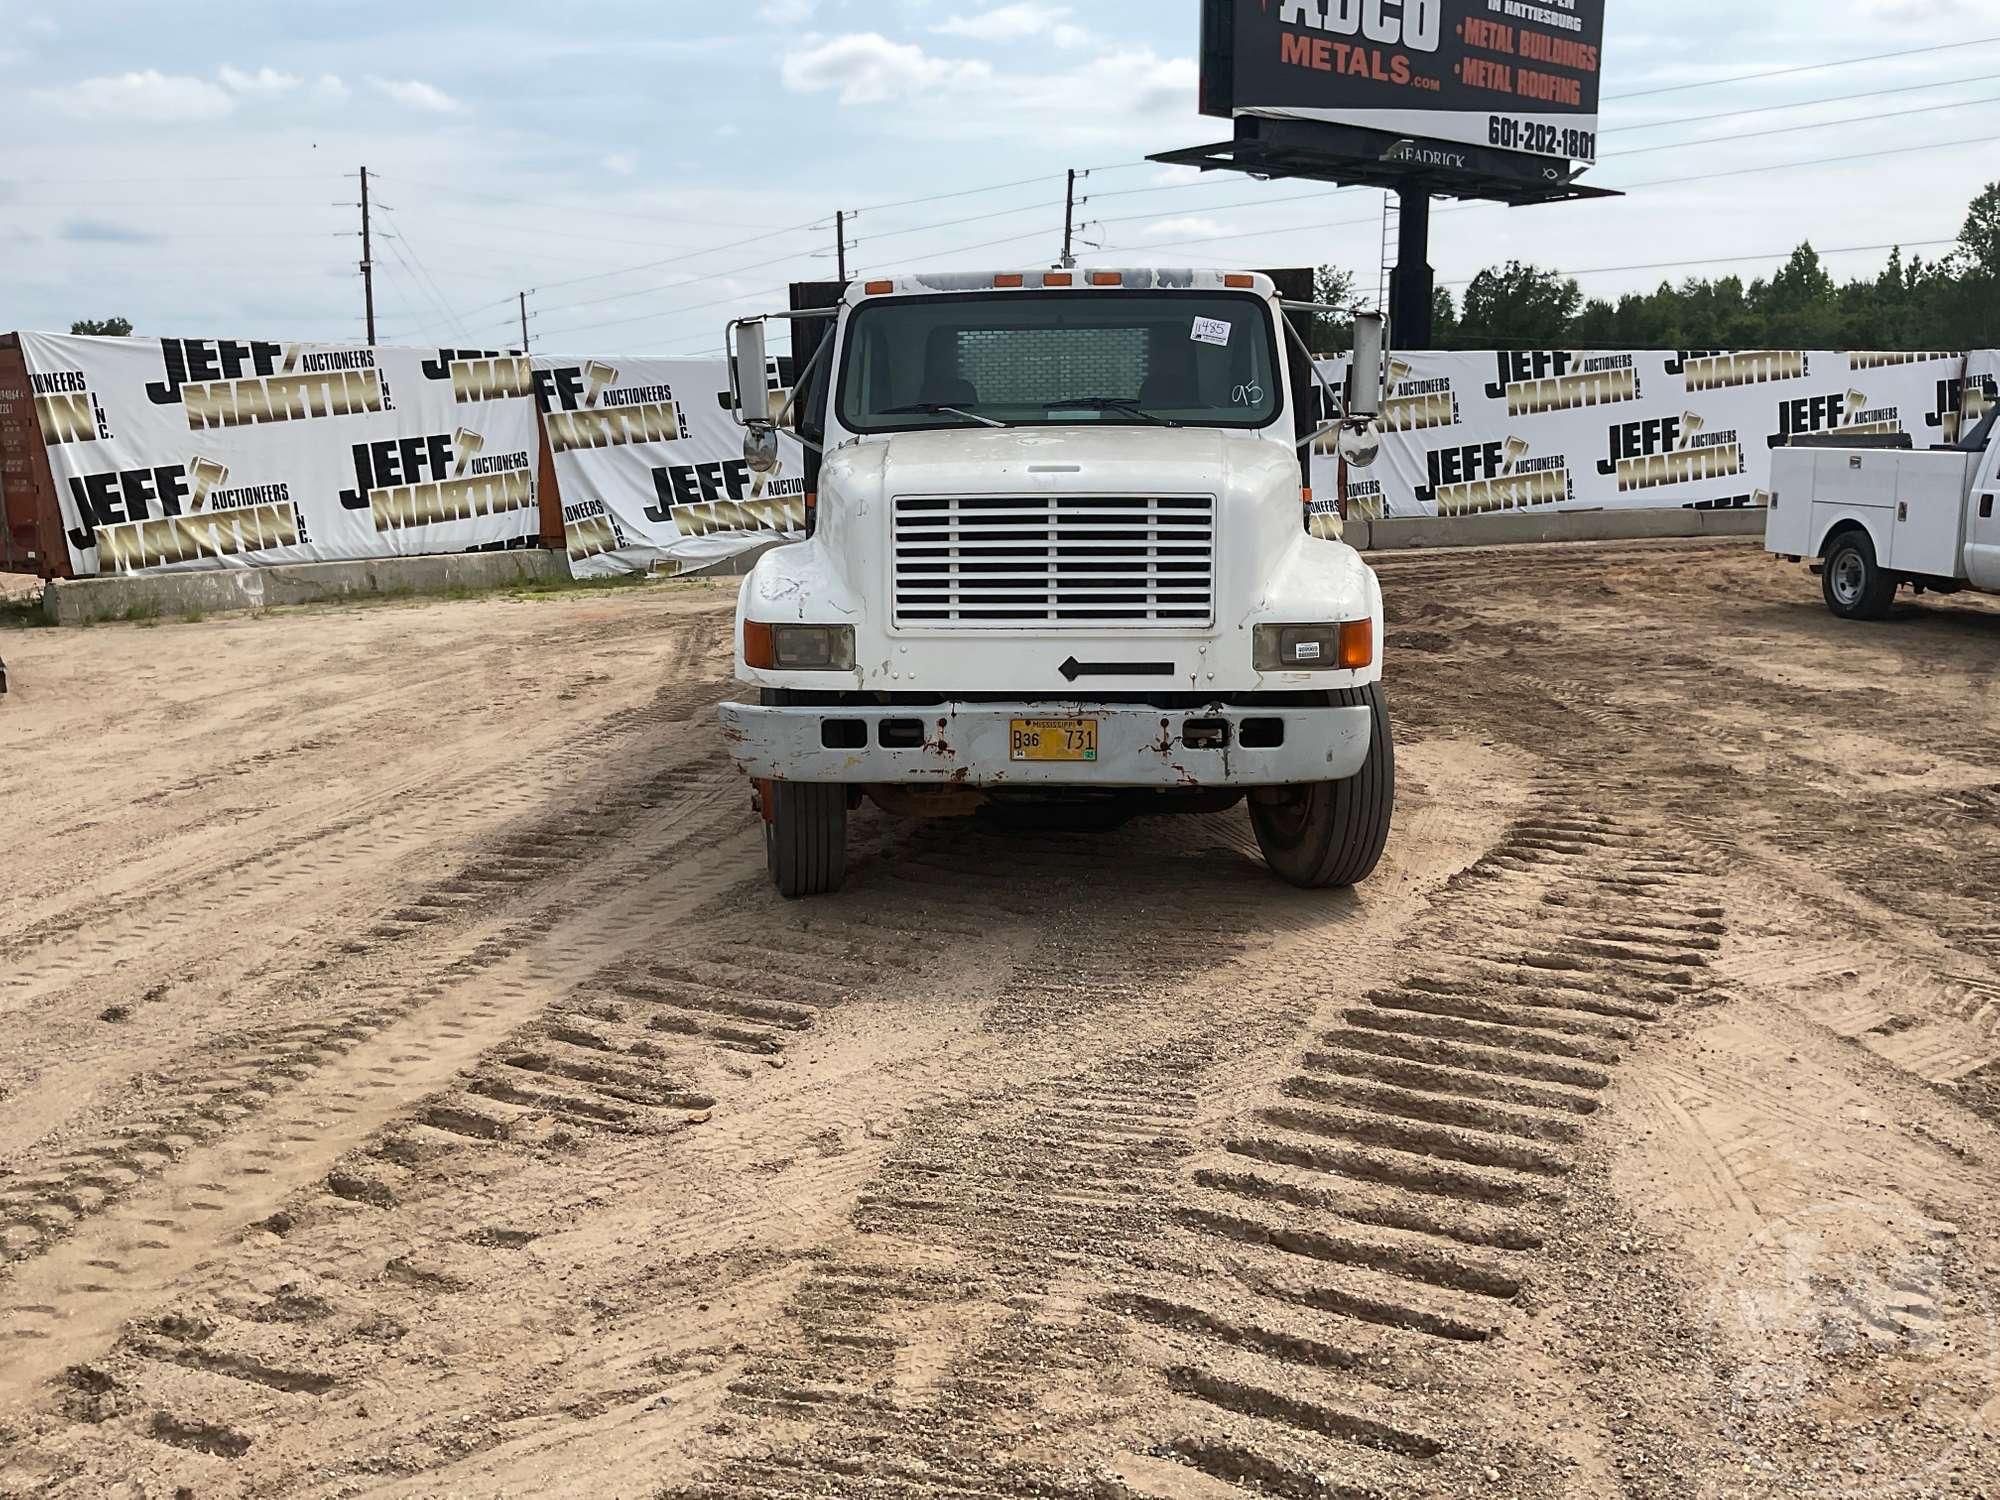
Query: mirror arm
{"points": [[799, 384], [1339, 400]]}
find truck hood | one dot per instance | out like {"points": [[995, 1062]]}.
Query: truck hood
{"points": [[1084, 458]]}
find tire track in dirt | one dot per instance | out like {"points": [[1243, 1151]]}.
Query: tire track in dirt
{"points": [[510, 892], [164, 897], [630, 1057]]}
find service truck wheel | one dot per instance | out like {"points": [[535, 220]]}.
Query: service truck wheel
{"points": [[1856, 587], [1332, 833], [805, 838]]}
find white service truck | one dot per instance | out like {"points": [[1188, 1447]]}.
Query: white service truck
{"points": [[1059, 557], [1875, 515]]}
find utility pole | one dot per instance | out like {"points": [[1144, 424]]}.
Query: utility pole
{"points": [[367, 259], [840, 239], [1069, 223], [524, 322]]}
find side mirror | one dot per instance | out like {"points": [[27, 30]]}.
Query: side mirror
{"points": [[760, 447], [748, 385], [1364, 376]]}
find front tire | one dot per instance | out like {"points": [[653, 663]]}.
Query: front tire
{"points": [[805, 838], [1332, 833], [1856, 588]]}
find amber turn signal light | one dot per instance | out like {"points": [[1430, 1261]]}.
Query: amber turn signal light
{"points": [[1357, 644], [758, 647]]}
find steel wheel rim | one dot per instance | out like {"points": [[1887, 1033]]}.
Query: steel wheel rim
{"points": [[1848, 575]]}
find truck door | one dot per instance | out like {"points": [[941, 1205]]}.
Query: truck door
{"points": [[1982, 529]]}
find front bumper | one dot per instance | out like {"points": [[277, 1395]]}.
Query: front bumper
{"points": [[968, 744]]}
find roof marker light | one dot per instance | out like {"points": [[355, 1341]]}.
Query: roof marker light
{"points": [[1107, 278], [880, 288], [1008, 279]]}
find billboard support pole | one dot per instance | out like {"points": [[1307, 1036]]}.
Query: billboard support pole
{"points": [[1414, 286]]}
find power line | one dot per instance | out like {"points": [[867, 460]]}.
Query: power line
{"points": [[1770, 109], [537, 229], [1846, 62], [570, 208], [1756, 135], [400, 241], [1786, 166], [86, 181], [998, 187]]}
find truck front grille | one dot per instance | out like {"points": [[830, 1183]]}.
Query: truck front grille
{"points": [[1054, 560]]}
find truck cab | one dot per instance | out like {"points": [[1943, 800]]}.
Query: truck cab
{"points": [[1059, 556], [1877, 515]]}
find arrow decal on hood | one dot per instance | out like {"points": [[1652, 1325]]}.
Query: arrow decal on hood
{"points": [[1073, 669]]}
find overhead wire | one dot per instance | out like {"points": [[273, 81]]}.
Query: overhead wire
{"points": [[1848, 62]]}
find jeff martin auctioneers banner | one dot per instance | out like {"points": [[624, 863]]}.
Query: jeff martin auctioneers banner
{"points": [[1566, 429], [199, 453], [650, 464]]}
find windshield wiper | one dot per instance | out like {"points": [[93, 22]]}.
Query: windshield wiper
{"points": [[1113, 403], [938, 408]]}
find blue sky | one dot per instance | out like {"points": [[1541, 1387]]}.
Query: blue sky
{"points": [[646, 169]]}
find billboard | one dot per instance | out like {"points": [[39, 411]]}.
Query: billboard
{"points": [[1513, 75]]}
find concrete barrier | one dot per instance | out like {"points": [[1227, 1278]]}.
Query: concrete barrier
{"points": [[216, 590], [1511, 528]]}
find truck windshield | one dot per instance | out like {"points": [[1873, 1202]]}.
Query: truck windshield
{"points": [[1116, 358]]}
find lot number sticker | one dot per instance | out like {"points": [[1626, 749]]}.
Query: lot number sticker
{"points": [[1211, 331]]}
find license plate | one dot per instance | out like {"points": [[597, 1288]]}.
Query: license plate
{"points": [[1054, 739]]}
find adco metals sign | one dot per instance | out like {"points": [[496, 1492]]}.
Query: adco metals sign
{"points": [[1519, 75]]}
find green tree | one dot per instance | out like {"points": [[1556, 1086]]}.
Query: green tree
{"points": [[1517, 307], [1972, 297], [1332, 333], [115, 328]]}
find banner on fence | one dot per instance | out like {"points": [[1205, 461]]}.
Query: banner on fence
{"points": [[1980, 392], [1467, 434], [193, 453], [650, 464]]}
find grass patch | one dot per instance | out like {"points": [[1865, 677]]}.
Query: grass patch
{"points": [[23, 612]]}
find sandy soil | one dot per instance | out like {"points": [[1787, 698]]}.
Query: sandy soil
{"points": [[412, 1087]]}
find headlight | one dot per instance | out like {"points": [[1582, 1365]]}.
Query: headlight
{"points": [[798, 648], [1346, 647]]}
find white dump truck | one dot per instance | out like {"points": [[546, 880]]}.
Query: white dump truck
{"points": [[1059, 563], [1875, 514]]}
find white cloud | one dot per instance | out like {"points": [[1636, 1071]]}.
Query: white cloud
{"points": [[620, 164], [868, 68], [1177, 176], [1120, 87], [150, 96], [42, 27], [1192, 226], [413, 93], [267, 82], [728, 132], [1017, 23], [331, 89]]}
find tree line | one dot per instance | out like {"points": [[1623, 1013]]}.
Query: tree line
{"points": [[1949, 303]]}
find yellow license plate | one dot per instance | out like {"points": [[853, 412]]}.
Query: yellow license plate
{"points": [[1054, 739]]}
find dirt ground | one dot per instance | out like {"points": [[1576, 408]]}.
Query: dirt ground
{"points": [[412, 1087]]}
